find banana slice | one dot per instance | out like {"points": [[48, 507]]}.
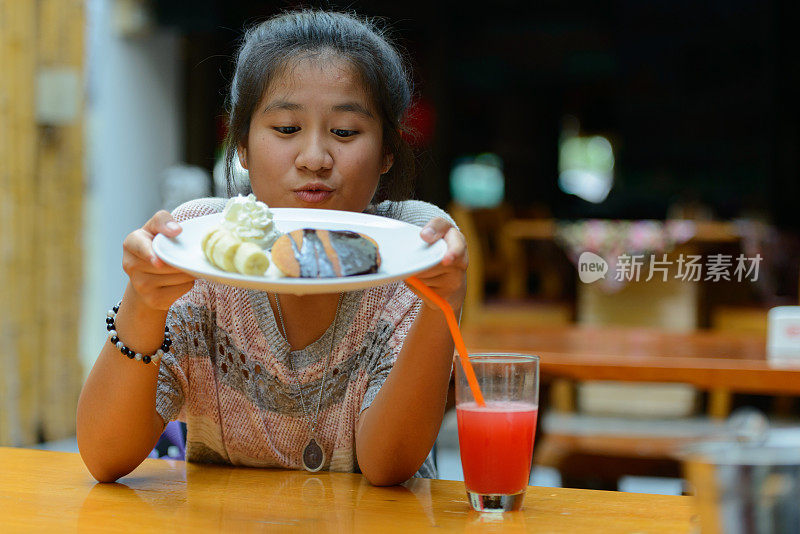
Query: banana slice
{"points": [[250, 259], [224, 249], [209, 241], [206, 239]]}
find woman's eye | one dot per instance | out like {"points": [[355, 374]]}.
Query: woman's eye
{"points": [[343, 133], [286, 129]]}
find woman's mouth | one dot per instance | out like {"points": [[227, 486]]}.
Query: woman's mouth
{"points": [[313, 193]]}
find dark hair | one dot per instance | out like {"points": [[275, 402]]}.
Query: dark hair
{"points": [[267, 49]]}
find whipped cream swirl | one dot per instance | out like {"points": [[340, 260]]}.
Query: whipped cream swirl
{"points": [[250, 220]]}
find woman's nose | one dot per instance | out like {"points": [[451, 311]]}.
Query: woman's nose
{"points": [[314, 155]]}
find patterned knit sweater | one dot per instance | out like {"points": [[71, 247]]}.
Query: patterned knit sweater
{"points": [[229, 378]]}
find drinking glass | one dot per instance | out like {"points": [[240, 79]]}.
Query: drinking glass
{"points": [[496, 440]]}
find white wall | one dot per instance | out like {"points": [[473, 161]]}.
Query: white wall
{"points": [[133, 133]]}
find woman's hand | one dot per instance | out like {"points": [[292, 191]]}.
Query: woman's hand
{"points": [[154, 282], [449, 278]]}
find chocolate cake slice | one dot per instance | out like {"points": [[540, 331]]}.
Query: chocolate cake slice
{"points": [[310, 253]]}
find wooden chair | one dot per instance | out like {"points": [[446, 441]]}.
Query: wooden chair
{"points": [[488, 264]]}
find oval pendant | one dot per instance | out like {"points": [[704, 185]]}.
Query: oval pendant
{"points": [[313, 456]]}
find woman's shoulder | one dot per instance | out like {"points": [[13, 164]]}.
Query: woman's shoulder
{"points": [[416, 212], [198, 207]]}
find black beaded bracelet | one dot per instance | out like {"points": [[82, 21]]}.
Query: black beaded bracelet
{"points": [[130, 353]]}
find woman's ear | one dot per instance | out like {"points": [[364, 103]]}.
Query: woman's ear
{"points": [[388, 161], [242, 153]]}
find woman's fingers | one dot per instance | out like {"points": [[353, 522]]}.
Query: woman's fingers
{"points": [[140, 242], [157, 283], [435, 229], [138, 256], [456, 255], [448, 278], [162, 223]]}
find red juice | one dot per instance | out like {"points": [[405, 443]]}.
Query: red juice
{"points": [[496, 443]]}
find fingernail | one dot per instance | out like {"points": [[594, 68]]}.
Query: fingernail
{"points": [[172, 225], [428, 232]]}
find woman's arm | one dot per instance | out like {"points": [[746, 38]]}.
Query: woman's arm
{"points": [[397, 431], [117, 420], [395, 434]]}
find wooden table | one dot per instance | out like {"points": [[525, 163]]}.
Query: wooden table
{"points": [[50, 491], [708, 360], [720, 363]]}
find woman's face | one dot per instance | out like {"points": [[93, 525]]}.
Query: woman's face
{"points": [[315, 139]]}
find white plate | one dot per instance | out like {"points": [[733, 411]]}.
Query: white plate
{"points": [[403, 252]]}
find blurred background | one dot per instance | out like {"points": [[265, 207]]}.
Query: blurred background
{"points": [[546, 129]]}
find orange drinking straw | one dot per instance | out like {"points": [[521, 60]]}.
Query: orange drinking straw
{"points": [[452, 323]]}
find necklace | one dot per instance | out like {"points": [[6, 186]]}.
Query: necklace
{"points": [[313, 453]]}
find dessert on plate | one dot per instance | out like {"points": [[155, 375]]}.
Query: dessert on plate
{"points": [[240, 242], [247, 242], [311, 253]]}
